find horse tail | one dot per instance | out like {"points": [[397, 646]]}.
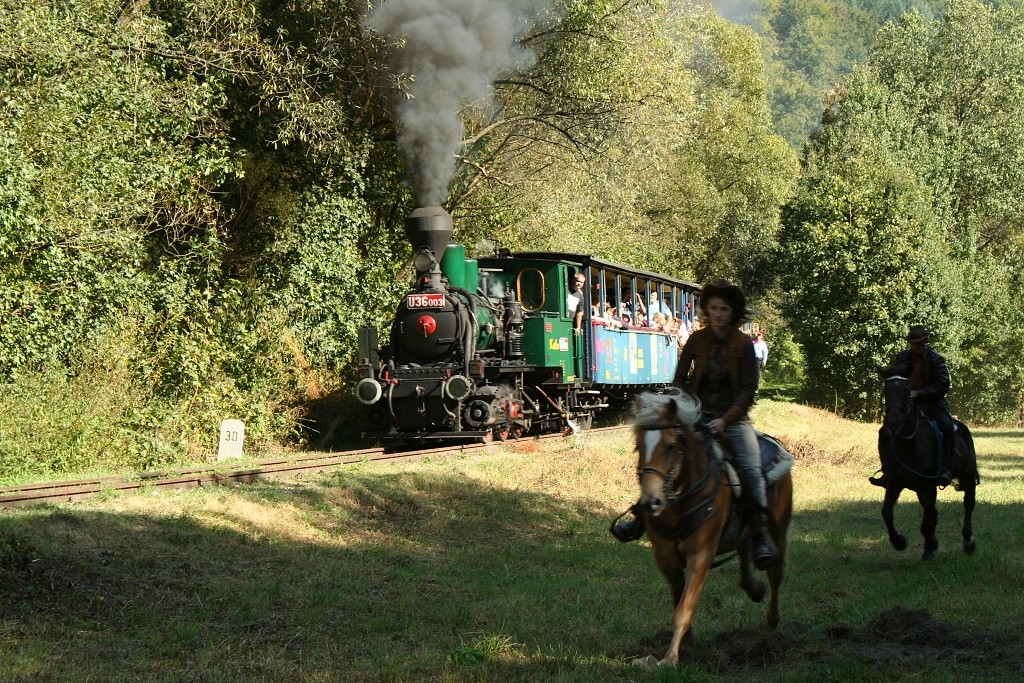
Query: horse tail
{"points": [[971, 461]]}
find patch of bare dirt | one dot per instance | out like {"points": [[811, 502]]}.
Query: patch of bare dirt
{"points": [[805, 451], [897, 641]]}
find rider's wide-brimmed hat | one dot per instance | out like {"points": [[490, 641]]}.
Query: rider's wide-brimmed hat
{"points": [[918, 333], [729, 293]]}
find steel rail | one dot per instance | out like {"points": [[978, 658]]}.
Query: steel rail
{"points": [[80, 489]]}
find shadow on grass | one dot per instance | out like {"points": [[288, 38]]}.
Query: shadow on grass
{"points": [[383, 576]]}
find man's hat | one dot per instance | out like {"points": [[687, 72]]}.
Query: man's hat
{"points": [[918, 333]]}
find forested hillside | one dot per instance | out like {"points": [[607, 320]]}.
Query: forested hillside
{"points": [[811, 45], [201, 202]]}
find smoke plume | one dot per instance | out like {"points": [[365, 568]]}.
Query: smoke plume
{"points": [[453, 50]]}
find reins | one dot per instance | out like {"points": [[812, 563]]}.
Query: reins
{"points": [[906, 413], [911, 409]]}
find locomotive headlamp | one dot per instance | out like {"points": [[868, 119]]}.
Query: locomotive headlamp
{"points": [[368, 391], [458, 387], [423, 261]]}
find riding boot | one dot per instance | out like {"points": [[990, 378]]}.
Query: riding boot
{"points": [[948, 451], [630, 530], [878, 479], [763, 548]]}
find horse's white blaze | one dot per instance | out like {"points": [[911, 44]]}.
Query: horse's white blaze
{"points": [[651, 440]]}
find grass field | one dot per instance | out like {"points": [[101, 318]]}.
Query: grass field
{"points": [[499, 567]]}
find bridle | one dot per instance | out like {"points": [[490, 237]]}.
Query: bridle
{"points": [[668, 478], [907, 413], [677, 461]]}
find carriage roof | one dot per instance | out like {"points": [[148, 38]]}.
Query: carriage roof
{"points": [[587, 261]]}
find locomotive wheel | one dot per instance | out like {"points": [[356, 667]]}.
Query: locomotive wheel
{"points": [[501, 432]]}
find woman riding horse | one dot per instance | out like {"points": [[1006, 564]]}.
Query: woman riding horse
{"points": [[724, 377]]}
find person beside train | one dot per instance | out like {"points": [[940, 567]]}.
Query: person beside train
{"points": [[719, 367], [760, 351], [929, 384], [574, 301]]}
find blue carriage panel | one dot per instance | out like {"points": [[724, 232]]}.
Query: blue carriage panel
{"points": [[605, 365], [664, 350], [632, 357]]}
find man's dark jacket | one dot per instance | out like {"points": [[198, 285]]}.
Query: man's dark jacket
{"points": [[934, 378]]}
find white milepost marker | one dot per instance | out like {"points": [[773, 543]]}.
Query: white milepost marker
{"points": [[232, 434]]}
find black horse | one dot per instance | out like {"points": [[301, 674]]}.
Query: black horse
{"points": [[908, 445]]}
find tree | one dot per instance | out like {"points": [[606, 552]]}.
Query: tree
{"points": [[692, 170], [908, 209]]}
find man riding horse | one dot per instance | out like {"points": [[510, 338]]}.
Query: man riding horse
{"points": [[929, 384], [724, 377]]}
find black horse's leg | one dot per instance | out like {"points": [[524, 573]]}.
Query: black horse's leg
{"points": [[968, 531], [927, 496], [892, 494], [967, 475]]}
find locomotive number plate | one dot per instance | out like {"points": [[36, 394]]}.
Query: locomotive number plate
{"points": [[425, 301]]}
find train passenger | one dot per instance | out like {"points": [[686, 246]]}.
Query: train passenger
{"points": [[658, 306], [604, 317], [681, 330], [633, 305], [612, 321], [659, 322], [719, 367]]}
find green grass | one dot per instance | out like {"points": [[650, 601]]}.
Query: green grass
{"points": [[499, 567]]}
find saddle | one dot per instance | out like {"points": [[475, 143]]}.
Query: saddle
{"points": [[776, 462], [944, 459]]}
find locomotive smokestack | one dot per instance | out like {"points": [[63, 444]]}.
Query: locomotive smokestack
{"points": [[430, 227]]}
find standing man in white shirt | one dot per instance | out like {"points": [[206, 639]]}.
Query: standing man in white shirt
{"points": [[760, 352]]}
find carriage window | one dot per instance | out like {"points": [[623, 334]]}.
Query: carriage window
{"points": [[530, 289]]}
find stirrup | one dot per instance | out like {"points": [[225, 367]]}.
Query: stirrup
{"points": [[624, 532], [769, 555]]}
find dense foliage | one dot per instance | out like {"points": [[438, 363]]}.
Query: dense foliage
{"points": [[909, 211], [201, 202]]}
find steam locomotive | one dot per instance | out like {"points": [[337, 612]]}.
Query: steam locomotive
{"points": [[489, 348]]}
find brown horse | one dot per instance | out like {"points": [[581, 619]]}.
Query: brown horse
{"points": [[691, 514]]}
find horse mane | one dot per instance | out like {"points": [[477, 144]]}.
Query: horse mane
{"points": [[649, 407]]}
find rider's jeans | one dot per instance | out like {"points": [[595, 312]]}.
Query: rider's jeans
{"points": [[748, 460]]}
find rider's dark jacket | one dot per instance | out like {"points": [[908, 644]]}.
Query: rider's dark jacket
{"points": [[934, 377], [742, 368]]}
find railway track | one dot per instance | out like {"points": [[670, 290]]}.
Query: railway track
{"points": [[69, 491]]}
